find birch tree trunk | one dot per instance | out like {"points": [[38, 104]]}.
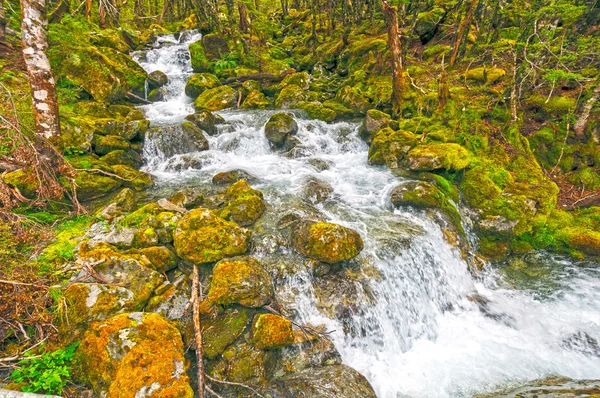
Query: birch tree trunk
{"points": [[391, 20], [582, 122], [35, 43]]}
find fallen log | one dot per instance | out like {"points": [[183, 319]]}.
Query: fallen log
{"points": [[262, 77], [136, 98]]}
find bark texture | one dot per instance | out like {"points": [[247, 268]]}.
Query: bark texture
{"points": [[35, 43], [395, 46]]}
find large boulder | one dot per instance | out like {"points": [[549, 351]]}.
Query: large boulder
{"points": [[390, 147], [326, 242], [271, 331], [136, 354], [290, 96], [336, 381], [157, 79], [374, 121], [199, 83], [203, 237], [216, 99], [240, 280], [215, 46], [451, 157], [206, 121], [280, 127], [172, 140], [244, 205], [200, 63], [229, 177], [256, 100]]}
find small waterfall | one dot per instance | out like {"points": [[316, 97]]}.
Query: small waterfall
{"points": [[413, 327]]}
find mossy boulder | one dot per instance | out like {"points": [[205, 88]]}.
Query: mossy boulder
{"points": [[103, 144], [271, 331], [203, 237], [240, 280], [326, 242], [316, 110], [94, 185], [199, 83], [187, 198], [220, 332], [215, 46], [206, 121], [133, 178], [374, 121], [133, 354], [157, 79], [198, 57], [161, 257], [290, 96], [232, 176], [127, 157], [451, 157], [173, 140], [341, 111], [301, 79], [485, 75], [279, 128], [122, 203], [256, 100], [244, 205], [352, 98], [158, 94], [240, 363], [216, 99], [390, 147], [427, 23]]}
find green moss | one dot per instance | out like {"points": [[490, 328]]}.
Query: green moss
{"points": [[451, 157], [216, 99], [330, 243], [61, 249], [485, 75], [220, 332], [290, 96], [161, 258], [271, 331], [132, 178], [197, 84], [256, 100], [198, 59], [244, 205], [390, 147], [316, 110], [555, 105]]}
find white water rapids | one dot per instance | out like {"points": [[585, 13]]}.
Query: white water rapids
{"points": [[420, 336]]}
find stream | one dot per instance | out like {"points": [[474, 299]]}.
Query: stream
{"points": [[414, 333]]}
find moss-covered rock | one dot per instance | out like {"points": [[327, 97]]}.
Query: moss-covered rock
{"points": [[216, 99], [427, 23], [240, 363], [271, 331], [157, 79], [244, 205], [374, 121], [391, 147], [220, 332], [215, 46], [161, 257], [316, 110], [198, 58], [133, 178], [203, 237], [229, 177], [240, 280], [157, 95], [206, 121], [126, 157], [279, 128], [133, 354], [353, 99], [103, 144], [256, 100], [199, 83], [94, 185], [122, 203], [485, 75], [290, 96], [326, 242], [451, 157]]}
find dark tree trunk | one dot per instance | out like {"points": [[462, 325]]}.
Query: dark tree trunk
{"points": [[35, 43], [243, 17], [461, 32], [391, 19], [2, 20]]}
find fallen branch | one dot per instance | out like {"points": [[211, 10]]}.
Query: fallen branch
{"points": [[137, 98]]}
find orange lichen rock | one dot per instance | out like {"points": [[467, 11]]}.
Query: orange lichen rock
{"points": [[271, 331], [330, 243], [244, 204], [135, 354], [240, 280]]}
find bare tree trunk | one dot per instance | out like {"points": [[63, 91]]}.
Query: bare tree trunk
{"points": [[88, 10], [461, 31], [2, 20], [443, 90], [513, 90], [582, 122], [35, 43], [391, 19], [284, 7], [243, 17]]}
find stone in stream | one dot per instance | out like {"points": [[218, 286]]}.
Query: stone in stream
{"points": [[316, 190], [134, 354], [199, 83], [216, 99], [178, 139], [157, 79], [229, 177], [206, 120], [240, 280], [374, 121], [326, 242], [158, 94], [243, 204], [552, 387], [271, 331], [203, 237], [279, 128]]}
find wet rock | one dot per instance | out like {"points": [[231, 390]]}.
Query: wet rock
{"points": [[327, 242], [220, 332], [103, 144], [552, 387], [451, 157], [93, 185], [271, 331], [290, 96], [319, 164], [316, 190], [244, 205], [127, 157], [216, 99], [336, 381], [122, 203], [199, 83], [133, 178], [315, 353], [174, 140], [582, 342], [195, 135], [161, 257], [215, 46], [229, 177], [256, 100], [157, 95], [206, 120], [374, 121], [135, 354], [152, 217], [187, 198], [390, 147], [157, 79], [339, 296], [240, 280], [240, 363], [279, 128], [203, 237]]}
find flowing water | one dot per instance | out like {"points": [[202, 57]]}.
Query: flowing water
{"points": [[416, 333]]}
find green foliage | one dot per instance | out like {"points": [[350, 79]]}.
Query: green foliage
{"points": [[61, 250], [226, 63], [46, 374]]}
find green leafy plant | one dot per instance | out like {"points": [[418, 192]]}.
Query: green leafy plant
{"points": [[48, 373], [69, 151], [228, 62]]}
